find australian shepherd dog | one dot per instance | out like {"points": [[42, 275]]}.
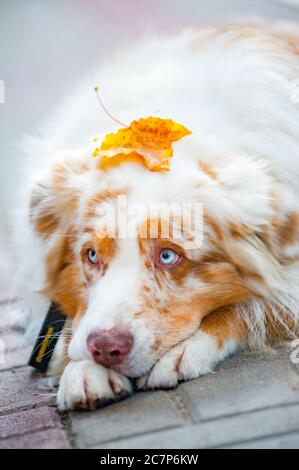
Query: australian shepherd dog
{"points": [[156, 310]]}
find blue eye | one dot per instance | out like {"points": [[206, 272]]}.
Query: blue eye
{"points": [[168, 257], [93, 257]]}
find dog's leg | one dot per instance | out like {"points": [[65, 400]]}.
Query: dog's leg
{"points": [[60, 357], [87, 385], [219, 336]]}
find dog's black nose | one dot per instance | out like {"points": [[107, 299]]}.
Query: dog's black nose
{"points": [[109, 347]]}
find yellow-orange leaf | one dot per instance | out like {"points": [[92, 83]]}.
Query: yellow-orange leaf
{"points": [[148, 141]]}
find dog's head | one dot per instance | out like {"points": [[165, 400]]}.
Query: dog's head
{"points": [[137, 280]]}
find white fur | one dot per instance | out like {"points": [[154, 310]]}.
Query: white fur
{"points": [[85, 385], [235, 97], [193, 358]]}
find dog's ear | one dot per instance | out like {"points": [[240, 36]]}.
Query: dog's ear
{"points": [[54, 198], [54, 216]]}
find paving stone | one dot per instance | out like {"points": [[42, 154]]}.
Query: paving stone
{"points": [[254, 384], [14, 349], [144, 412], [217, 433], [288, 441], [22, 422], [16, 358], [255, 357], [20, 389], [49, 439], [6, 274]]}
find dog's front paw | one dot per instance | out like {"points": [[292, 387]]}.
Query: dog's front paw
{"points": [[190, 359], [85, 385]]}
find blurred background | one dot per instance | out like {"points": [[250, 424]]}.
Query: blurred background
{"points": [[46, 46]]}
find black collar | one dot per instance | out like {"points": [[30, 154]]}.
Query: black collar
{"points": [[47, 339]]}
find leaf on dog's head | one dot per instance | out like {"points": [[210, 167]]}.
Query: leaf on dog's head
{"points": [[147, 141]]}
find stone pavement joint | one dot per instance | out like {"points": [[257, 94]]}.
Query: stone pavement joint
{"points": [[49, 439], [284, 441], [178, 398]]}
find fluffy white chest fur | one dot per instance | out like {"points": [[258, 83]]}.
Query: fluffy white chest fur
{"points": [[159, 309]]}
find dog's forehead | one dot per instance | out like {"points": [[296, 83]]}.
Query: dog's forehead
{"points": [[151, 196], [144, 186]]}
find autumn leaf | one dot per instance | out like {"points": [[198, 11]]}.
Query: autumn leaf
{"points": [[147, 141]]}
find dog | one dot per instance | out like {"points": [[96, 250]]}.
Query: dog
{"points": [[155, 311]]}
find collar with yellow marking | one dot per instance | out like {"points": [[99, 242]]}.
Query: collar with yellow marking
{"points": [[47, 339]]}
